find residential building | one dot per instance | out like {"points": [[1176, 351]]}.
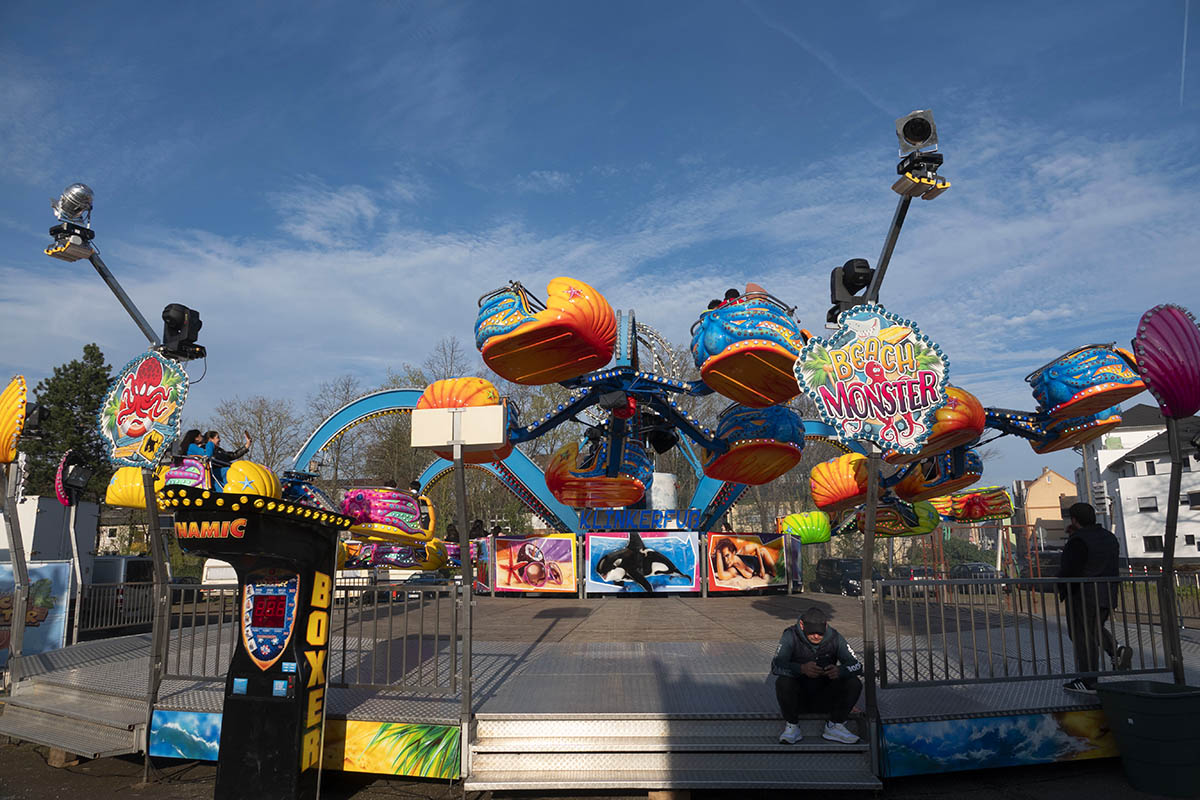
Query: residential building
{"points": [[1126, 474], [1040, 505]]}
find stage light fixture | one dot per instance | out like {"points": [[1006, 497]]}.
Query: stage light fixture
{"points": [[919, 164], [916, 131], [73, 234], [75, 204], [845, 282], [77, 476], [36, 415], [181, 326]]}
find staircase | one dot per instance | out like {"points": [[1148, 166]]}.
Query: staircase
{"points": [[86, 723], [515, 752]]}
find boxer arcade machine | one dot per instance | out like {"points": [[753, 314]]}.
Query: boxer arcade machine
{"points": [[284, 554]]}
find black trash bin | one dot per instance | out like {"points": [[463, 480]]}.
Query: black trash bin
{"points": [[1157, 733]]}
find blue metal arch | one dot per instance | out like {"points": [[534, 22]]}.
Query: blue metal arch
{"points": [[518, 472]]}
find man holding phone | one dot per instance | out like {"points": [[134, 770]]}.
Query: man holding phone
{"points": [[816, 670]]}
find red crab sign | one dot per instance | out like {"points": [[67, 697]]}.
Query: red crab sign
{"points": [[140, 414], [878, 378]]}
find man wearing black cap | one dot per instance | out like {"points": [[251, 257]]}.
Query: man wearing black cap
{"points": [[815, 669], [1090, 552]]}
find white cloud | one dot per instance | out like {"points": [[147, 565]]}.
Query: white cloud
{"points": [[312, 212], [545, 181]]}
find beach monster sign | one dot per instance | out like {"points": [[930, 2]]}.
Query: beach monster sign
{"points": [[140, 415], [876, 379]]}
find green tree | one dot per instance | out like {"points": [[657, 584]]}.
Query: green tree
{"points": [[73, 395]]}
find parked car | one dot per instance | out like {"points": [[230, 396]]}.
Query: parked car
{"points": [[842, 576], [974, 570], [919, 578]]}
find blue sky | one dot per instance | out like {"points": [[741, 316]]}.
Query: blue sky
{"points": [[333, 185]]}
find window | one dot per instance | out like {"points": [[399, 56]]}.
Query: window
{"points": [[1189, 540], [1183, 499], [1149, 467], [1148, 504], [1152, 544], [1194, 499]]}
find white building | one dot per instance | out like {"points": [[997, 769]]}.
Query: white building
{"points": [[1128, 471]]}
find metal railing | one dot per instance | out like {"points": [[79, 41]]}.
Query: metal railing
{"points": [[944, 632], [103, 606], [383, 636], [201, 633], [1187, 598], [396, 636]]}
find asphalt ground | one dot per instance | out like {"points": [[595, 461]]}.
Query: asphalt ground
{"points": [[25, 775]]}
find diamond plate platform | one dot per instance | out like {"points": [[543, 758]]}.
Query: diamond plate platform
{"points": [[73, 735]]}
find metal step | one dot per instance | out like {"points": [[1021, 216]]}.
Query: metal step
{"points": [[814, 775], [662, 744], [102, 709], [765, 731], [87, 739], [566, 764]]}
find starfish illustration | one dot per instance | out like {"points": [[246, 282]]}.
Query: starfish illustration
{"points": [[246, 483], [574, 293]]}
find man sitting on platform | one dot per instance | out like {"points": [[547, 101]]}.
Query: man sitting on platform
{"points": [[816, 670]]}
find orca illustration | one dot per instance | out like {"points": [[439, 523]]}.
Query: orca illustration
{"points": [[635, 562]]}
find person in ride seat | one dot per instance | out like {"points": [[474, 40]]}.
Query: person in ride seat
{"points": [[210, 445], [816, 670]]}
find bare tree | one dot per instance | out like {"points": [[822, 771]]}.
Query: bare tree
{"points": [[343, 456], [449, 359], [272, 422]]}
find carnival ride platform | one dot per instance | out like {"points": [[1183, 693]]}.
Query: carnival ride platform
{"points": [[548, 714]]}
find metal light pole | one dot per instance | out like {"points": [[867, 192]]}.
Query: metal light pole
{"points": [[16, 547], [1166, 586]]}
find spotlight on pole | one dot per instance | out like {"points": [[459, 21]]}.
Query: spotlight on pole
{"points": [[917, 134], [181, 326], [75, 204], [916, 131], [73, 235], [36, 415]]}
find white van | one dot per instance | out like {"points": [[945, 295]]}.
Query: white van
{"points": [[217, 575]]}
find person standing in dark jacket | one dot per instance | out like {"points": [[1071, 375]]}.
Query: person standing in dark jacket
{"points": [[1090, 552], [815, 669]]}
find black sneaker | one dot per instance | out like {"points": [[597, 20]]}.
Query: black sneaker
{"points": [[1124, 659], [1079, 686]]}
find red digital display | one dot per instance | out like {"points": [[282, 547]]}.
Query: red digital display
{"points": [[268, 611]]}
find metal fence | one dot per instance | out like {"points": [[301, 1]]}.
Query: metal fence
{"points": [[104, 606], [1187, 594], [202, 631], [396, 636], [383, 636], [942, 632]]}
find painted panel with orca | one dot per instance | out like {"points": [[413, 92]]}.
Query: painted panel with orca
{"points": [[643, 562], [536, 564]]}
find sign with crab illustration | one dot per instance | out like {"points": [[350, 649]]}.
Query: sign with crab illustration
{"points": [[878, 379], [140, 415]]}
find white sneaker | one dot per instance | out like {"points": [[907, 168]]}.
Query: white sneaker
{"points": [[837, 732], [791, 734]]}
